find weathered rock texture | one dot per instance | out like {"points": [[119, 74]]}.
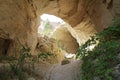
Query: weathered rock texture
{"points": [[18, 24], [19, 19], [65, 39], [49, 47], [86, 16]]}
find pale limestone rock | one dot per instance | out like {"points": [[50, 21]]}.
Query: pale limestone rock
{"points": [[19, 19], [18, 23], [96, 14], [65, 39], [49, 45]]}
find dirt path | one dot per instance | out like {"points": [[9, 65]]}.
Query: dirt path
{"points": [[69, 71]]}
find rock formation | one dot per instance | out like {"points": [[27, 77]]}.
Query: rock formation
{"points": [[49, 47], [19, 19], [65, 39], [18, 25]]}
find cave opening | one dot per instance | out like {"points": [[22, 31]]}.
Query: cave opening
{"points": [[4, 46], [56, 28], [48, 24]]}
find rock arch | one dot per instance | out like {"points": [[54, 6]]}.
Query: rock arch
{"points": [[19, 18]]}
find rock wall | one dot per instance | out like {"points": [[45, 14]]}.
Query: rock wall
{"points": [[18, 23], [89, 16], [65, 39], [96, 14], [19, 19], [101, 12], [49, 50]]}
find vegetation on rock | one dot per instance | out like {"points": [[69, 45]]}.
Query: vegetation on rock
{"points": [[99, 62], [47, 28], [19, 68]]}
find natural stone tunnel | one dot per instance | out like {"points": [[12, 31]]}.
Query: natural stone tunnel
{"points": [[19, 19], [19, 22]]}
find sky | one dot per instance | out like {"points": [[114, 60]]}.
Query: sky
{"points": [[51, 18]]}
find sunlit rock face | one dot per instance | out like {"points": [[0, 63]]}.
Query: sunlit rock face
{"points": [[49, 47], [65, 39], [86, 16], [19, 19], [101, 12], [18, 24]]}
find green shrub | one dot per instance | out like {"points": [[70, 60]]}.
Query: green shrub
{"points": [[45, 55], [16, 69], [47, 28], [100, 61]]}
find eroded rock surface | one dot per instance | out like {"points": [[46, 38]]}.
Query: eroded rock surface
{"points": [[65, 39], [49, 47], [18, 23], [19, 19]]}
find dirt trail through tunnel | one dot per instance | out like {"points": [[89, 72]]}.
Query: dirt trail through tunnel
{"points": [[69, 71]]}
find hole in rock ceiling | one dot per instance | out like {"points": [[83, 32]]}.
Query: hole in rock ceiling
{"points": [[49, 23], [54, 27]]}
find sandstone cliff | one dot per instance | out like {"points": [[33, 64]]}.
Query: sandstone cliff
{"points": [[19, 19]]}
